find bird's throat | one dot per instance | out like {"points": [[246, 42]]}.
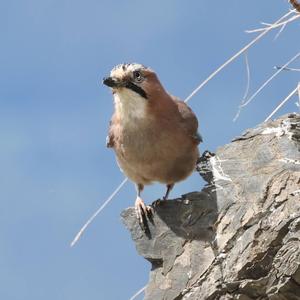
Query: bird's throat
{"points": [[130, 107]]}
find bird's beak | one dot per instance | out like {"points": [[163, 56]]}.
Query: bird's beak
{"points": [[111, 82]]}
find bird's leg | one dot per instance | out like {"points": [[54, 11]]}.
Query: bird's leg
{"points": [[142, 210], [169, 188], [165, 197]]}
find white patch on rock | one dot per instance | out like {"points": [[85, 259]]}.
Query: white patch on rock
{"points": [[283, 129], [295, 193], [290, 161], [217, 169], [273, 130]]}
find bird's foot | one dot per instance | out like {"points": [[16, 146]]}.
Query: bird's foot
{"points": [[142, 212]]}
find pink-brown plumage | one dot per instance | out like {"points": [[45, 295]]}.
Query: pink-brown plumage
{"points": [[153, 134]]}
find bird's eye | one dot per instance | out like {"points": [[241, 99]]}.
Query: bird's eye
{"points": [[137, 76]]}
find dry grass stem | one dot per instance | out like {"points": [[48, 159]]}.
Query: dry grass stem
{"points": [[138, 293], [287, 69], [248, 77], [275, 25], [279, 32], [245, 103], [298, 95], [89, 221], [294, 92], [231, 59], [247, 88]]}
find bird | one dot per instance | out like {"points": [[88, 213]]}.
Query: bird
{"points": [[153, 133]]}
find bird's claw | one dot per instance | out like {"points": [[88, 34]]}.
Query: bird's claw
{"points": [[142, 212], [158, 202]]}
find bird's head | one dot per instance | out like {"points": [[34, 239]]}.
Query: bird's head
{"points": [[137, 92], [134, 79]]}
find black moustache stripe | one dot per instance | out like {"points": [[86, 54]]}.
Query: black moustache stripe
{"points": [[130, 85]]}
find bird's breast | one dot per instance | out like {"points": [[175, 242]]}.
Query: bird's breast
{"points": [[139, 141], [147, 152]]}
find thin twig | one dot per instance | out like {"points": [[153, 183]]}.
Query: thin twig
{"points": [[264, 85], [279, 32], [248, 77], [138, 293], [247, 88], [298, 95], [282, 103], [287, 69], [273, 26], [89, 221], [212, 75]]}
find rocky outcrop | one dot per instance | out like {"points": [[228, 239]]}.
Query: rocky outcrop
{"points": [[238, 238]]}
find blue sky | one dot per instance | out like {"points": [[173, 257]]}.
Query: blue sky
{"points": [[55, 169]]}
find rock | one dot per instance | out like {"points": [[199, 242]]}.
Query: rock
{"points": [[239, 238]]}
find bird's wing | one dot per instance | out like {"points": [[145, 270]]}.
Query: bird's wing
{"points": [[110, 138], [189, 120]]}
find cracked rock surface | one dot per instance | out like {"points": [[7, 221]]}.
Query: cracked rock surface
{"points": [[238, 238]]}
